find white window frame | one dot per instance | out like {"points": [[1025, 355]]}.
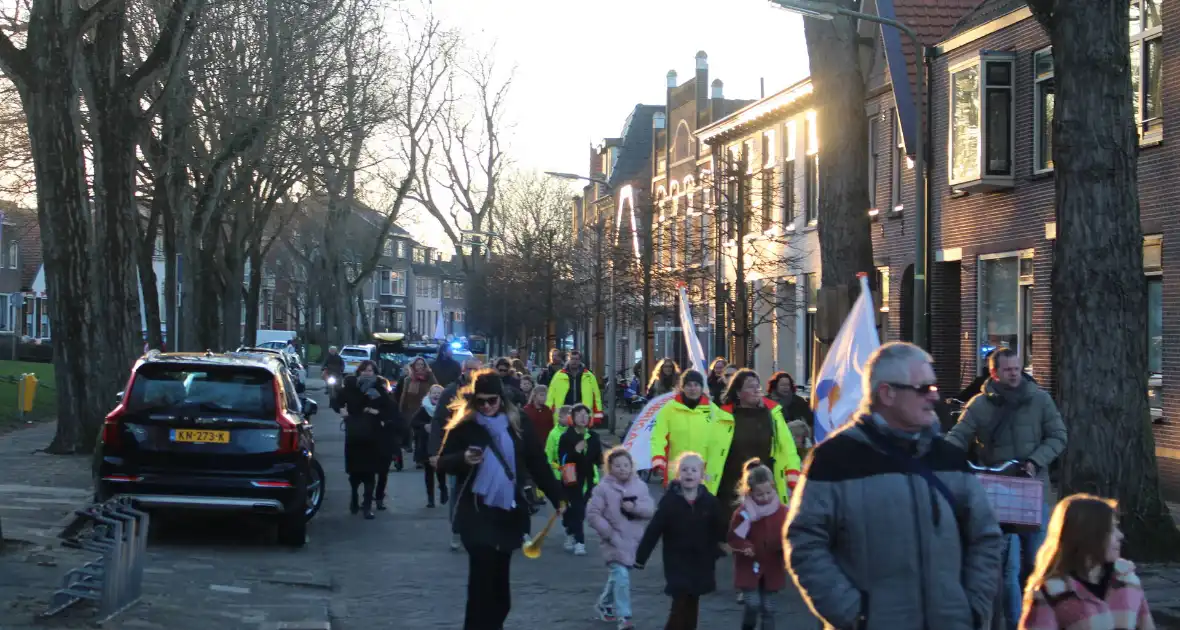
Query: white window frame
{"points": [[401, 249], [768, 154], [1041, 83], [1150, 130], [397, 281], [981, 174], [874, 128], [896, 177], [1021, 282], [14, 255], [811, 171]]}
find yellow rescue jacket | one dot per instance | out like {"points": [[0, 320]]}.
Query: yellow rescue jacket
{"points": [[678, 430]]}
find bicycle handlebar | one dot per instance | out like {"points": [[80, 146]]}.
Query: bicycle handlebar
{"points": [[1002, 468]]}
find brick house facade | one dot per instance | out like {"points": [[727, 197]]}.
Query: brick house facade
{"points": [[992, 199]]}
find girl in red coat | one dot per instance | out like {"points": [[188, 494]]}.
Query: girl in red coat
{"points": [[755, 534]]}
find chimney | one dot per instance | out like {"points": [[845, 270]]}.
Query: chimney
{"points": [[717, 89], [762, 87], [671, 79], [702, 82], [716, 110], [657, 120]]}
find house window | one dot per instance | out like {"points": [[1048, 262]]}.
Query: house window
{"points": [[811, 293], [4, 323], [422, 287], [874, 157], [789, 194], [1152, 266], [897, 142], [704, 224], [1043, 115], [747, 192], [981, 135], [811, 171], [434, 288], [883, 286], [387, 250], [419, 255], [768, 156], [447, 289], [399, 321], [398, 281], [401, 249], [386, 283], [458, 316], [1147, 66], [1005, 304], [767, 199], [14, 255], [672, 243]]}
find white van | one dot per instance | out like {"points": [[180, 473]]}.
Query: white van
{"points": [[354, 355]]}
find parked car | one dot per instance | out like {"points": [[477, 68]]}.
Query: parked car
{"points": [[214, 432], [354, 355], [291, 361]]}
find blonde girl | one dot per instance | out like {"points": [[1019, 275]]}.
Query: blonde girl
{"points": [[755, 534]]}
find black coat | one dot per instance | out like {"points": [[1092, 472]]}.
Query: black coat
{"points": [[584, 462], [419, 425], [370, 440], [479, 525], [446, 371], [692, 535], [442, 415]]}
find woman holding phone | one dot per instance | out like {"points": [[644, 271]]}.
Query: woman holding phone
{"points": [[488, 450]]}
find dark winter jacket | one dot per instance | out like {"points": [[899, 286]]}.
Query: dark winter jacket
{"points": [[446, 370], [766, 539], [716, 386], [369, 440], [420, 424], [334, 363], [868, 536], [692, 534], [586, 463], [479, 525], [548, 372]]}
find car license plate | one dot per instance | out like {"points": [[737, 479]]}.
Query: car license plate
{"points": [[200, 436]]}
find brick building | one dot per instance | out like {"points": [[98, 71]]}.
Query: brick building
{"points": [[992, 198]]}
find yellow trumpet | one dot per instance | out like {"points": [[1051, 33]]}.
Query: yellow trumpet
{"points": [[532, 549]]}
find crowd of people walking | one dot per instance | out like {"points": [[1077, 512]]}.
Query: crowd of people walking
{"points": [[885, 524]]}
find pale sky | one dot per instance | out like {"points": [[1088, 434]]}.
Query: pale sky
{"points": [[581, 68]]}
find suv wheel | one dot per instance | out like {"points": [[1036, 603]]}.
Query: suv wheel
{"points": [[314, 490], [292, 531]]}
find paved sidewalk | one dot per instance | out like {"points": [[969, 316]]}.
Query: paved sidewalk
{"points": [[39, 492]]}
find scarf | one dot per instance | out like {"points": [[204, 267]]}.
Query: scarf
{"points": [[368, 386], [752, 512], [692, 404], [429, 406], [491, 480]]}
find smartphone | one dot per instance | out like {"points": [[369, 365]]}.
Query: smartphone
{"points": [[475, 449]]}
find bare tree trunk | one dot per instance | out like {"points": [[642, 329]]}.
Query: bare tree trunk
{"points": [[147, 276], [845, 238], [1099, 300], [253, 296], [50, 100]]}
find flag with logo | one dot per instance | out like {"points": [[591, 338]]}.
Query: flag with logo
{"points": [[692, 341], [838, 384]]}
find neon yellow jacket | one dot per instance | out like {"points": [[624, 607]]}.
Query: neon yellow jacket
{"points": [[679, 429], [786, 457], [551, 443], [559, 387]]}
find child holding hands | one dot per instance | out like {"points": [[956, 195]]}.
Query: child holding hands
{"points": [[690, 521], [619, 510], [580, 453], [755, 534]]}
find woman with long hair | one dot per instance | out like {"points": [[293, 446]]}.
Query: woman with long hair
{"points": [[796, 410], [716, 380], [1081, 579], [410, 394], [664, 378], [369, 428], [488, 449], [748, 425]]}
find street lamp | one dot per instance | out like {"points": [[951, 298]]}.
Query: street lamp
{"points": [[817, 9], [612, 343]]}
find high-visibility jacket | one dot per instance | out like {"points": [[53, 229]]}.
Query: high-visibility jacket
{"points": [[782, 451], [551, 443], [679, 429], [591, 396]]}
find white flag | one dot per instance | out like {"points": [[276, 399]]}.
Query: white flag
{"points": [[440, 330], [691, 341], [638, 438], [838, 385]]}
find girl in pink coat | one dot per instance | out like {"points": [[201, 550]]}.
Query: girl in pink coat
{"points": [[619, 510]]}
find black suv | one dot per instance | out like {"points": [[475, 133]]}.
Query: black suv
{"points": [[216, 432]]}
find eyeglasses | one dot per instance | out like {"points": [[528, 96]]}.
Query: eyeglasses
{"points": [[487, 401], [921, 390]]}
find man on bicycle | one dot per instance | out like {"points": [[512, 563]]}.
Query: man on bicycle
{"points": [[1012, 418], [333, 374]]}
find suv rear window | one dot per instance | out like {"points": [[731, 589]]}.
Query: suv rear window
{"points": [[355, 352], [179, 388]]}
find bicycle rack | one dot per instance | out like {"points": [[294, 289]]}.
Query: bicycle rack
{"points": [[114, 581]]}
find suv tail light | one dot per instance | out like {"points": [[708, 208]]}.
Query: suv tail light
{"points": [[112, 425], [288, 426]]}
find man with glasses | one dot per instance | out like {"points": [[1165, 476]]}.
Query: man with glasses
{"points": [[888, 524], [1012, 418]]}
